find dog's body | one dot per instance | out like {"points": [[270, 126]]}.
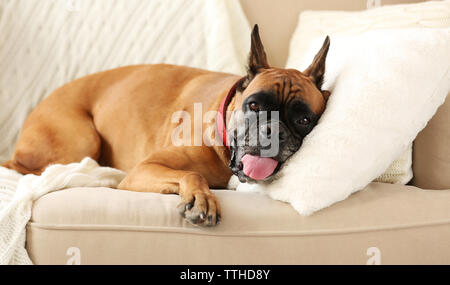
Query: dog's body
{"points": [[121, 116], [123, 119]]}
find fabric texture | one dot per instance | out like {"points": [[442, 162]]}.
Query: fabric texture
{"points": [[314, 24], [380, 101], [48, 43], [432, 152], [406, 225], [20, 191]]}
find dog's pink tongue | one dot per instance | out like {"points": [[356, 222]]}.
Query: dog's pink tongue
{"points": [[257, 167]]}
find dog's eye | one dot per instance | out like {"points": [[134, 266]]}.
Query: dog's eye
{"points": [[254, 106], [303, 121]]}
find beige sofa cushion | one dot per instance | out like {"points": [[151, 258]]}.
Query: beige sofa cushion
{"points": [[106, 226], [431, 152]]}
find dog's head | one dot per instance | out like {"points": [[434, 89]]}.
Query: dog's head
{"points": [[272, 111]]}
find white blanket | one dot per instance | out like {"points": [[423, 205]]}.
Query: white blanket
{"points": [[17, 193], [47, 43]]}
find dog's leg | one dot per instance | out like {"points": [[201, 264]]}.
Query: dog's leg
{"points": [[198, 204], [62, 136]]}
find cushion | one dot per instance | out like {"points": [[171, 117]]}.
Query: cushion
{"points": [[380, 101], [432, 152], [107, 226], [313, 24]]}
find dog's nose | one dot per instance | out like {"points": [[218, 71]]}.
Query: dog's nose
{"points": [[265, 131], [272, 130]]}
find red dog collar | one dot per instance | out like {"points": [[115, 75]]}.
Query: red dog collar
{"points": [[222, 113]]}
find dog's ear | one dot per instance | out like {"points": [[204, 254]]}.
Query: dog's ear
{"points": [[316, 70], [257, 59], [326, 94]]}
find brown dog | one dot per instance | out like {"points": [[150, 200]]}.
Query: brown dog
{"points": [[122, 118]]}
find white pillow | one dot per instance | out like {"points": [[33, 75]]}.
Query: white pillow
{"points": [[314, 24], [385, 86]]}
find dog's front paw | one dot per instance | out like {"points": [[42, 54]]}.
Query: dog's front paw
{"points": [[200, 208]]}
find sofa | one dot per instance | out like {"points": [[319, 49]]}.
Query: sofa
{"points": [[381, 224]]}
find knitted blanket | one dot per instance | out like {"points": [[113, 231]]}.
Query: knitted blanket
{"points": [[17, 193], [47, 43]]}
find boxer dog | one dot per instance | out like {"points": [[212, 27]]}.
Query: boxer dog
{"points": [[123, 118]]}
